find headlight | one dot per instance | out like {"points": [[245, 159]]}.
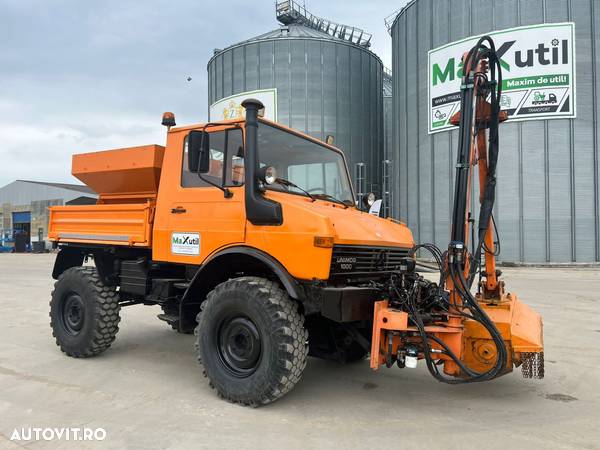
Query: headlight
{"points": [[369, 199], [269, 175]]}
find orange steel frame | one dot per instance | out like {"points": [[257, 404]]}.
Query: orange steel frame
{"points": [[520, 326], [451, 333]]}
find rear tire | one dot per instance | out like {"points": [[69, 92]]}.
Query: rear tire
{"points": [[84, 313], [251, 341]]}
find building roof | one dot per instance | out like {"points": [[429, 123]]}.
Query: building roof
{"points": [[23, 192], [298, 23], [292, 31], [69, 186], [290, 12]]}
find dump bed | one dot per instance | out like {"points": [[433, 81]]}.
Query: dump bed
{"points": [[127, 182], [116, 224]]}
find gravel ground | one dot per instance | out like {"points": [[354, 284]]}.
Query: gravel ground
{"points": [[147, 390]]}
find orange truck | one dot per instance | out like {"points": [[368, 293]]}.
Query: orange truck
{"points": [[248, 234]]}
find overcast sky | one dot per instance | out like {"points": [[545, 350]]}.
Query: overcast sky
{"points": [[79, 76]]}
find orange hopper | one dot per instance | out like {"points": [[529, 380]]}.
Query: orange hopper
{"points": [[133, 171]]}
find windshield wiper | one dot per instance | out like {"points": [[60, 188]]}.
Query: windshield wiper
{"points": [[331, 198], [288, 183], [313, 197]]}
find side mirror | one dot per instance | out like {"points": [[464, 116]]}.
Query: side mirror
{"points": [[199, 151]]}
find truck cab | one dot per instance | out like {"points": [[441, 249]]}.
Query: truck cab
{"points": [[306, 198]]}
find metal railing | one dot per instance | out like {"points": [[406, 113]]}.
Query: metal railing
{"points": [[386, 194], [389, 20], [360, 175], [289, 12]]}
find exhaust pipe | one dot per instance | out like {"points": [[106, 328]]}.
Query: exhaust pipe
{"points": [[259, 210]]}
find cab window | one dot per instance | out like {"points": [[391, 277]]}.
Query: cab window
{"points": [[235, 159], [226, 165], [318, 178]]}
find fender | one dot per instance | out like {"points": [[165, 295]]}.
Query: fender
{"points": [[292, 287], [67, 257]]}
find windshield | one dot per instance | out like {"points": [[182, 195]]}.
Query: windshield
{"points": [[313, 167]]}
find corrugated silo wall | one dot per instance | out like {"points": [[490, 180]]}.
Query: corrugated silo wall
{"points": [[388, 153], [323, 87], [387, 126], [547, 194]]}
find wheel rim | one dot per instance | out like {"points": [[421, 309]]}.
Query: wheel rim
{"points": [[73, 316], [239, 346]]}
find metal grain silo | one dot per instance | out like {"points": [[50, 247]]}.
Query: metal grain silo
{"points": [[327, 82], [547, 206]]}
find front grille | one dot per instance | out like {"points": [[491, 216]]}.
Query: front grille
{"points": [[357, 260]]}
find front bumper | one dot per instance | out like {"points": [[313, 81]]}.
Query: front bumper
{"points": [[521, 328], [348, 304]]}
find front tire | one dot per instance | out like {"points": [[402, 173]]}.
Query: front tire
{"points": [[251, 341], [84, 313]]}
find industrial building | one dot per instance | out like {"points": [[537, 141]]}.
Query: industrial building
{"points": [[547, 207], [313, 75], [24, 210]]}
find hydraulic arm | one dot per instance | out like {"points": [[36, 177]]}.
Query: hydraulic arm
{"points": [[471, 337]]}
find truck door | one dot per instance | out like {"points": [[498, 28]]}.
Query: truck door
{"points": [[201, 220]]}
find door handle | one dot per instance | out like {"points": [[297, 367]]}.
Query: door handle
{"points": [[178, 210]]}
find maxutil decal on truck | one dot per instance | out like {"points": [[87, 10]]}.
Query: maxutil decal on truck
{"points": [[185, 244]]}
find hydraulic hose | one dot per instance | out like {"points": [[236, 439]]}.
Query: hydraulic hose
{"points": [[474, 85], [489, 196]]}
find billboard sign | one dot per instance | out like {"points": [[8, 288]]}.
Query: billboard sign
{"points": [[538, 74], [231, 107]]}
